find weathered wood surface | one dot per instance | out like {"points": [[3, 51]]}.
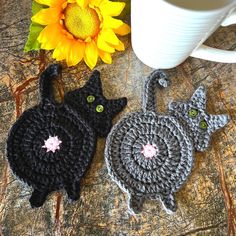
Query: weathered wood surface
{"points": [[206, 203]]}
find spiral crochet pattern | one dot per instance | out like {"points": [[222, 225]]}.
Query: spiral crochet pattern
{"points": [[51, 145], [150, 155]]}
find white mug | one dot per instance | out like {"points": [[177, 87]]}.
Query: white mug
{"points": [[166, 32]]}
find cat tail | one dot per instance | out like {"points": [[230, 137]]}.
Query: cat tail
{"points": [[45, 83], [156, 79]]}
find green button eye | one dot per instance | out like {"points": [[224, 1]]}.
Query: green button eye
{"points": [[203, 124], [99, 108], [90, 99], [192, 113]]}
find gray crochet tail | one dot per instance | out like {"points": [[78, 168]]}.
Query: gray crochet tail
{"points": [[156, 79]]}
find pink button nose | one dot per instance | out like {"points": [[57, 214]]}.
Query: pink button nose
{"points": [[149, 150], [52, 144]]}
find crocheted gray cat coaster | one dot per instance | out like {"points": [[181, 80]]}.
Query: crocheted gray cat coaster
{"points": [[150, 155]]}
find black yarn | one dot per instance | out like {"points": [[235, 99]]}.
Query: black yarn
{"points": [[99, 121], [76, 123]]}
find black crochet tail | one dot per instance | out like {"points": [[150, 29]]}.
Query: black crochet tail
{"points": [[45, 83]]}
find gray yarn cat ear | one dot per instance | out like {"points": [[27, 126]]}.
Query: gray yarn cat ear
{"points": [[174, 106], [218, 121], [215, 122], [198, 99]]}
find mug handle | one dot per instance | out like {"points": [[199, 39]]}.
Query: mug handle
{"points": [[214, 54]]}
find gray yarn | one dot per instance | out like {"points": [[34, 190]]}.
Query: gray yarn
{"points": [[149, 101], [201, 138], [175, 135]]}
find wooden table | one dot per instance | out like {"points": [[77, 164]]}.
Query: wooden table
{"points": [[206, 204]]}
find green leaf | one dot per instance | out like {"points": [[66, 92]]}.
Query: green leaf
{"points": [[32, 42], [34, 30], [36, 7]]}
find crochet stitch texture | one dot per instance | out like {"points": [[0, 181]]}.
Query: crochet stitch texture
{"points": [[51, 145], [151, 155]]}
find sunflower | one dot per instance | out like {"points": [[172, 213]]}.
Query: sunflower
{"points": [[81, 29]]}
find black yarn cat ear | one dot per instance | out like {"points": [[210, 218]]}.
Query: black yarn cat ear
{"points": [[198, 99], [94, 80], [116, 105]]}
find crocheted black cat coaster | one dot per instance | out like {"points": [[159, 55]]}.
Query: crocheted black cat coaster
{"points": [[51, 145], [150, 155]]}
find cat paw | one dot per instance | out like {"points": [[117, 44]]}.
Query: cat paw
{"points": [[135, 204], [38, 198], [169, 203], [73, 191]]}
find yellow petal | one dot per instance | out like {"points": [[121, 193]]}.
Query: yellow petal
{"points": [[96, 2], [119, 47], [62, 49], [44, 2], [50, 3], [57, 54], [109, 22], [122, 30], [76, 53], [103, 45], [105, 56], [83, 3], [50, 36], [91, 54], [112, 8], [47, 16], [65, 50], [57, 3], [109, 36]]}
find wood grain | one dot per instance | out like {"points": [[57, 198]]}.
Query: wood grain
{"points": [[206, 203]]}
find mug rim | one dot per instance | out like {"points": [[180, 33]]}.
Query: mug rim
{"points": [[231, 4]]}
